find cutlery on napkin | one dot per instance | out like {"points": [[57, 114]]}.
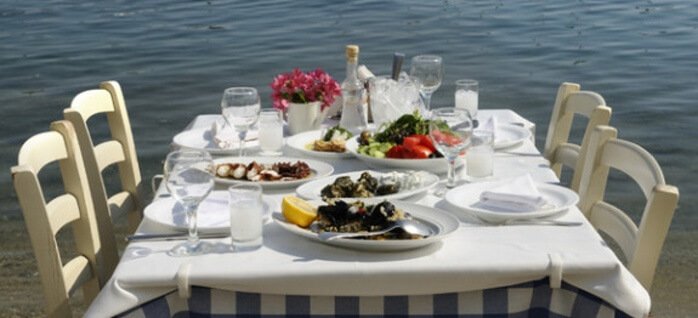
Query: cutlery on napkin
{"points": [[226, 137], [514, 195]]}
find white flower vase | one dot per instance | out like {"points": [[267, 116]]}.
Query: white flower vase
{"points": [[305, 116]]}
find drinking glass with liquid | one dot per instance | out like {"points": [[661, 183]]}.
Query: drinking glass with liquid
{"points": [[480, 156], [271, 132], [467, 95], [246, 216]]}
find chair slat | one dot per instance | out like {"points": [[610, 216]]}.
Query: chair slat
{"points": [[76, 273], [92, 102], [608, 219], [108, 153], [61, 211], [634, 161]]}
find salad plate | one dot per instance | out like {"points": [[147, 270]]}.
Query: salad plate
{"points": [[466, 198], [303, 143], [442, 224], [203, 139], [510, 135], [312, 190], [213, 214], [434, 165], [318, 169]]}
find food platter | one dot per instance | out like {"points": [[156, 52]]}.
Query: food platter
{"points": [[213, 214], [442, 224], [300, 142], [318, 169], [466, 198], [434, 165], [312, 189]]}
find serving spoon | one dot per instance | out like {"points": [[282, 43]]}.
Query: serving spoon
{"points": [[413, 227]]}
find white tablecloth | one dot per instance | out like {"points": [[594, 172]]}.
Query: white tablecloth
{"points": [[475, 257]]}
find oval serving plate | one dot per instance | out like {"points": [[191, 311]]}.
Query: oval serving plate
{"points": [[312, 189], [435, 165], [441, 222], [318, 169]]}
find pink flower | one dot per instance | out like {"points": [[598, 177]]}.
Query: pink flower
{"points": [[300, 87]]}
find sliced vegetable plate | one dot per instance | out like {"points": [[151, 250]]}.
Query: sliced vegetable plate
{"points": [[434, 165]]}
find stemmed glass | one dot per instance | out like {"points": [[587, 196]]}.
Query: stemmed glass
{"points": [[450, 130], [189, 179], [240, 107], [429, 71]]}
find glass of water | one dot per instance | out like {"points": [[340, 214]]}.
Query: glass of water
{"points": [[429, 71], [189, 179], [246, 216], [240, 107], [271, 132], [480, 157], [467, 95]]}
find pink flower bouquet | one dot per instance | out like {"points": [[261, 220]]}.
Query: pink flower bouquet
{"points": [[300, 87]]}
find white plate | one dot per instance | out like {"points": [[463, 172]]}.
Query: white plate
{"points": [[466, 197], [440, 221], [212, 215], [435, 165], [299, 142], [201, 139], [510, 135], [311, 190], [318, 169]]}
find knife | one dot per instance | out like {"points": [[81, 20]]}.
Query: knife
{"points": [[172, 237]]}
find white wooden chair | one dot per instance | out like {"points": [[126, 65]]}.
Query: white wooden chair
{"points": [[44, 220], [641, 245], [120, 150], [570, 101]]}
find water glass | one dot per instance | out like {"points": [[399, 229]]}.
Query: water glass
{"points": [[480, 154], [189, 179], [240, 107], [246, 216], [271, 132], [450, 130], [467, 95], [429, 72]]}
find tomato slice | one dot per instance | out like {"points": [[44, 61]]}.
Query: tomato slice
{"points": [[412, 140], [396, 151], [425, 141], [419, 152]]}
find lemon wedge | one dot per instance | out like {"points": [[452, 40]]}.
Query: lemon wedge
{"points": [[298, 211]]}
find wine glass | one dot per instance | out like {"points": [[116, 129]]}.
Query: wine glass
{"points": [[450, 130], [189, 179], [240, 107], [429, 71]]}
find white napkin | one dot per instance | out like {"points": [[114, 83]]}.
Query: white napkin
{"points": [[226, 137], [490, 125], [515, 195]]}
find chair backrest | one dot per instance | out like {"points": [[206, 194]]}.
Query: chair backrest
{"points": [[120, 150], [570, 101], [44, 220], [641, 245]]}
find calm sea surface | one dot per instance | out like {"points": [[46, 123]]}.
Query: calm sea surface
{"points": [[174, 58]]}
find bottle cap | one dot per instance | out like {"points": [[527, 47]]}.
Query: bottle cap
{"points": [[352, 52]]}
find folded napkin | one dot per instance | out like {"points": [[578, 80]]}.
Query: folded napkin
{"points": [[515, 195], [490, 125], [226, 137]]}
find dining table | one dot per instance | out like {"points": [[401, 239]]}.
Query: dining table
{"points": [[480, 269]]}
